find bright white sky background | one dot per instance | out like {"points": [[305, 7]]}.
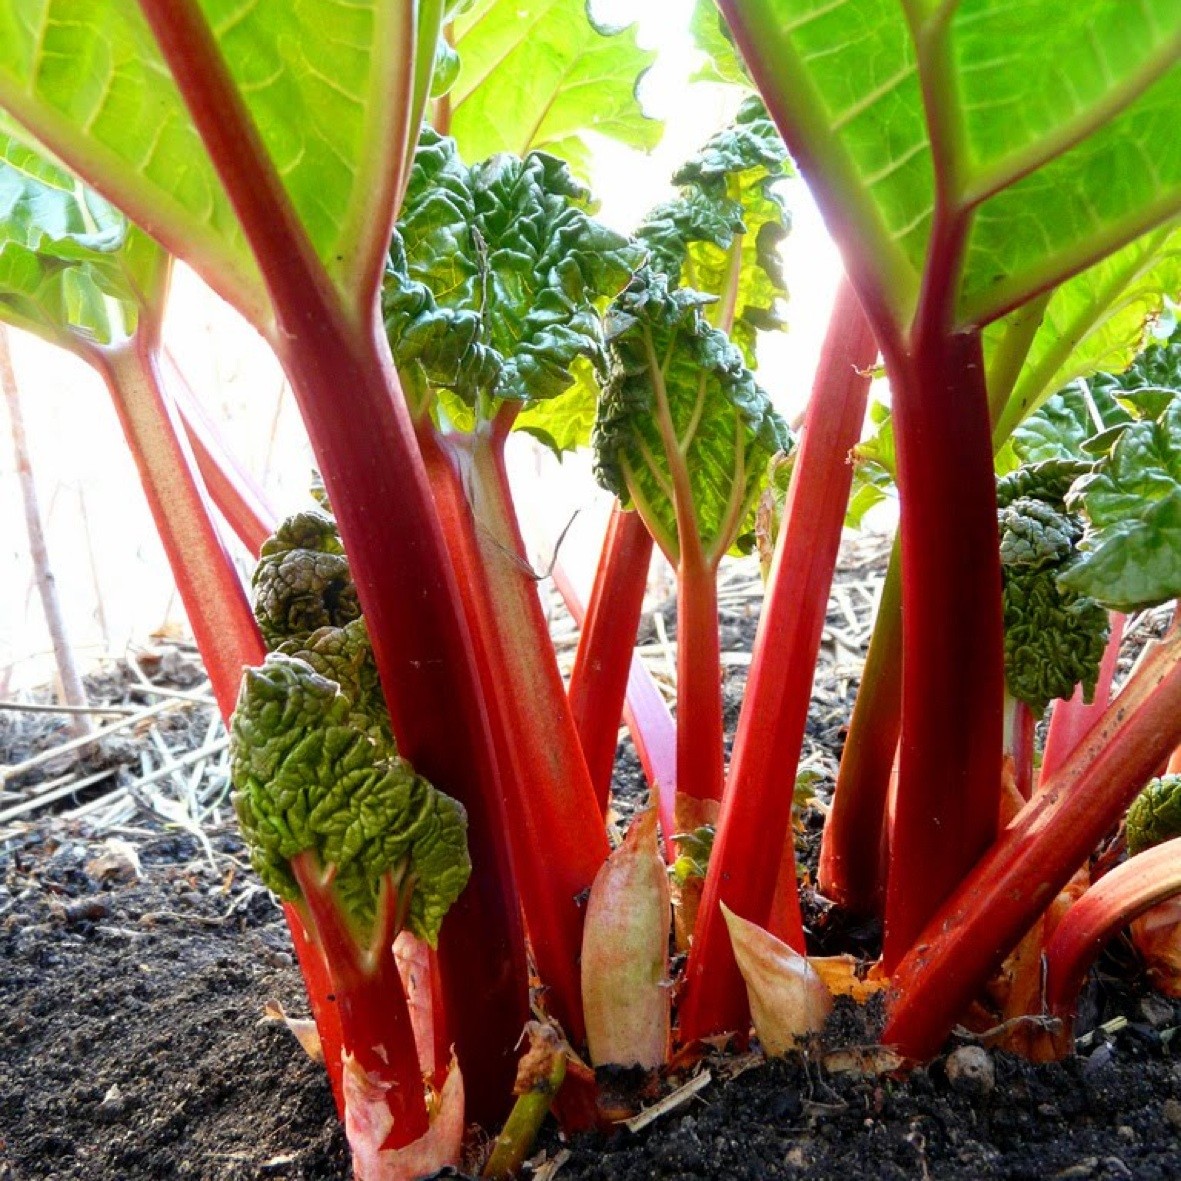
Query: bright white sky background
{"points": [[110, 567]]}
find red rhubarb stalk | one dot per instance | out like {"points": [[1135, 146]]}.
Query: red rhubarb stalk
{"points": [[210, 588], [603, 663], [555, 832], [1071, 721], [700, 731], [375, 1021], [1036, 855], [755, 817], [852, 850], [333, 348], [1109, 905], [949, 766], [550, 772]]}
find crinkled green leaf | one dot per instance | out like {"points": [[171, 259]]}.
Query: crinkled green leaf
{"points": [[1155, 814], [1066, 422], [1058, 123], [305, 780], [540, 75], [72, 267], [721, 235], [1157, 368], [345, 655], [668, 366], [1131, 553], [319, 78], [302, 581], [1048, 480], [496, 278], [1054, 637]]}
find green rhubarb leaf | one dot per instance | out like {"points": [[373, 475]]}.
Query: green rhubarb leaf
{"points": [[1054, 637], [73, 269], [1157, 370], [1095, 322], [1062, 428], [345, 655], [683, 431], [541, 75], [874, 466], [1155, 814], [564, 423], [710, 35], [327, 84], [721, 235], [302, 581], [307, 781], [496, 279], [1131, 553], [1054, 131]]}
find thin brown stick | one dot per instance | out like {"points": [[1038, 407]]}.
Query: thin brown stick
{"points": [[63, 653]]}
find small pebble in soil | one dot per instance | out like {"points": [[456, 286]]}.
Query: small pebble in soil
{"points": [[1171, 1110], [970, 1071], [1156, 1011]]}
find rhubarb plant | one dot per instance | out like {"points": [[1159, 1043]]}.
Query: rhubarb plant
{"points": [[427, 304]]}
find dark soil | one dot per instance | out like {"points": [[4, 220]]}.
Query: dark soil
{"points": [[132, 1044], [130, 1036]]}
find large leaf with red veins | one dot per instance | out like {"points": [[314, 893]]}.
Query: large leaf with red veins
{"points": [[320, 80], [1048, 132]]}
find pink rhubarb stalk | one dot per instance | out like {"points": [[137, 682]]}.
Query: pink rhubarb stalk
{"points": [[209, 585], [234, 491], [755, 818]]}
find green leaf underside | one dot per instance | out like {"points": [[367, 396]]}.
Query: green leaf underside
{"points": [[1060, 130], [1131, 554], [497, 275], [721, 235], [538, 75], [87, 77], [306, 780], [71, 265], [725, 428], [710, 35], [1095, 321]]}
